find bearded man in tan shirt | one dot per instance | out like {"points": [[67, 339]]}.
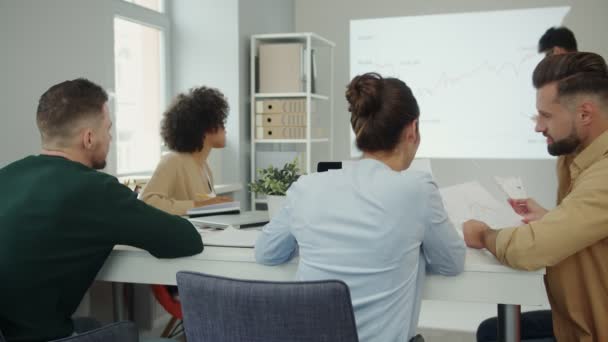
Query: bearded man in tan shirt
{"points": [[571, 241]]}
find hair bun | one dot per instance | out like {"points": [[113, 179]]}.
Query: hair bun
{"points": [[363, 95]]}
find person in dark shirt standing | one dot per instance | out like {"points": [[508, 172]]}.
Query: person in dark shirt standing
{"points": [[60, 218], [557, 41]]}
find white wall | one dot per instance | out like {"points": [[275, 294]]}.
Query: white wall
{"points": [[44, 43], [210, 46], [331, 20], [204, 51]]}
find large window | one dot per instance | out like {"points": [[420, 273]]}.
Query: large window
{"points": [[139, 59]]}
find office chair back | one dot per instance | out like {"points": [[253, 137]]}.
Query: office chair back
{"points": [[123, 331], [221, 309]]}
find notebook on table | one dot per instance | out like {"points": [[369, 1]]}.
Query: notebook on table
{"points": [[233, 207], [244, 219]]}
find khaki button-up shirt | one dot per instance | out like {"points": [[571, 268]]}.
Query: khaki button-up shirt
{"points": [[572, 242]]}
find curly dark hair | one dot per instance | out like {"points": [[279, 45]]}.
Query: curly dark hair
{"points": [[191, 115]]}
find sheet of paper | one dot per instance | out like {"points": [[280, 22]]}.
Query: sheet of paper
{"points": [[230, 237], [472, 201], [512, 186]]}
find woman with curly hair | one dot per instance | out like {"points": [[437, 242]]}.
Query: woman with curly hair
{"points": [[191, 127]]}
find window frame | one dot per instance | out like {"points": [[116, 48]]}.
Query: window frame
{"points": [[157, 20]]}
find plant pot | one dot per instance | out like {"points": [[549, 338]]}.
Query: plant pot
{"points": [[275, 203]]}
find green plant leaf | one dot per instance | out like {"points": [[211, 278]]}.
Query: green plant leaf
{"points": [[274, 181]]}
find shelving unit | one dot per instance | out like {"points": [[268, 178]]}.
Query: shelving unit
{"points": [[317, 72]]}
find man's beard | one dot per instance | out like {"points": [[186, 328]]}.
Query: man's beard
{"points": [[565, 146]]}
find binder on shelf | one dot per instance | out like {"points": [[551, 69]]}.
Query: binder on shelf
{"points": [[286, 132], [285, 119], [276, 106], [281, 68], [292, 132]]}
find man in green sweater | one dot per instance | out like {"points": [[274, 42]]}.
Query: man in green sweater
{"points": [[60, 217]]}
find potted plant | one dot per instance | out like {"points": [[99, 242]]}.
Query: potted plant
{"points": [[274, 182]]}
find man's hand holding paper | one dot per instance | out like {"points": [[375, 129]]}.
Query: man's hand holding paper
{"points": [[528, 209]]}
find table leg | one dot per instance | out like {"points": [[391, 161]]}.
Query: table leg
{"points": [[509, 320], [118, 299], [122, 300]]}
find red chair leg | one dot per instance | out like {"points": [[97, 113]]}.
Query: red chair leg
{"points": [[169, 327]]}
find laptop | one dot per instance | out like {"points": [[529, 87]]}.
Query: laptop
{"points": [[244, 219]]}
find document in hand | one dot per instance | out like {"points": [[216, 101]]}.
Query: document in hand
{"points": [[512, 187], [233, 207], [472, 201]]}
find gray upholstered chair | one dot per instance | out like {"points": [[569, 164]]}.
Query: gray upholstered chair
{"points": [[221, 309], [123, 331], [120, 331]]}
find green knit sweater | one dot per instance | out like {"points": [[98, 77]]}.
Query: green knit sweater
{"points": [[59, 221]]}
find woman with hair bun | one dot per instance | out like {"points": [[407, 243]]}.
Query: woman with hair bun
{"points": [[370, 225]]}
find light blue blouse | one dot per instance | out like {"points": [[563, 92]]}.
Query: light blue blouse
{"points": [[376, 230]]}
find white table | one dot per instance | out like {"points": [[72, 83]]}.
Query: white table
{"points": [[484, 279]]}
